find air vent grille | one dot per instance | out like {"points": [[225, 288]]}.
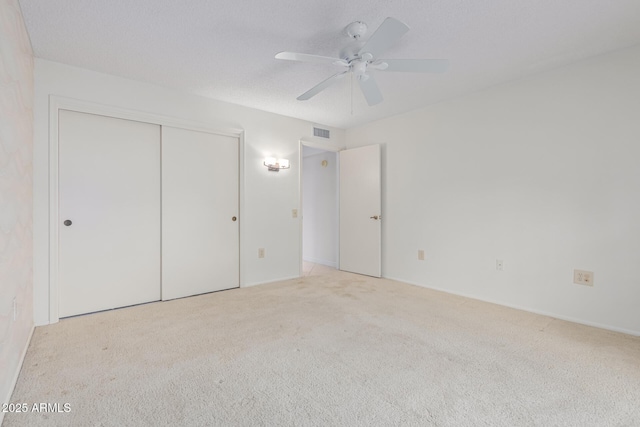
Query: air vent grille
{"points": [[322, 133]]}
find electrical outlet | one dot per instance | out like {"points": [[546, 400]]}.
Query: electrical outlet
{"points": [[294, 213], [420, 255], [499, 265], [260, 252], [15, 309], [581, 277]]}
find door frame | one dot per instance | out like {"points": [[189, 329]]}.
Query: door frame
{"points": [[57, 103], [303, 143]]}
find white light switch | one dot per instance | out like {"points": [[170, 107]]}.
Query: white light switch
{"points": [[294, 213]]}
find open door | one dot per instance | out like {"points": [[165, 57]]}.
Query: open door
{"points": [[360, 211]]}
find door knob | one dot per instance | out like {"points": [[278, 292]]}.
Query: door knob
{"points": [[67, 222], [374, 217], [233, 218]]}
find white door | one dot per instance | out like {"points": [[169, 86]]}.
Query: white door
{"points": [[200, 233], [109, 196], [360, 211]]}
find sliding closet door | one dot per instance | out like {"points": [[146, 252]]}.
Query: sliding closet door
{"points": [[200, 233], [109, 195]]}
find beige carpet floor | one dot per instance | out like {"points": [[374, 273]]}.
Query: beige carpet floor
{"points": [[329, 349]]}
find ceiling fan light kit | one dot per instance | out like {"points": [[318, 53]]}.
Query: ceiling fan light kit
{"points": [[366, 58]]}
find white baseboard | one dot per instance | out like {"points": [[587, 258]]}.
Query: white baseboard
{"points": [[7, 399], [529, 309], [332, 264], [248, 285]]}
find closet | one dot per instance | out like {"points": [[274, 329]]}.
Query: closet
{"points": [[147, 212]]}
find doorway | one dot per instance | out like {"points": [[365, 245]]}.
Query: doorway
{"points": [[320, 207]]}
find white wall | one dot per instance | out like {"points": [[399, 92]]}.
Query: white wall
{"points": [[266, 219], [541, 173], [16, 191], [320, 209]]}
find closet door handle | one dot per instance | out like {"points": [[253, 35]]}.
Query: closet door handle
{"points": [[67, 222], [233, 218]]}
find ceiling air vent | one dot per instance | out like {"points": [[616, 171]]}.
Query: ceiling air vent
{"points": [[322, 133]]}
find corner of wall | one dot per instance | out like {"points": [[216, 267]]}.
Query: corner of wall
{"points": [[16, 195]]}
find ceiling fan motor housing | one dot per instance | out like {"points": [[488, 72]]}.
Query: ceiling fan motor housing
{"points": [[350, 52]]}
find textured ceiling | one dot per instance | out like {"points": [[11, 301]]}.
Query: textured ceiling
{"points": [[225, 49]]}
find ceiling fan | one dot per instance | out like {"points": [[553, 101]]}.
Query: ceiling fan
{"points": [[361, 58]]}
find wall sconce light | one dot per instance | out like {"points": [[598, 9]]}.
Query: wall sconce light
{"points": [[276, 164]]}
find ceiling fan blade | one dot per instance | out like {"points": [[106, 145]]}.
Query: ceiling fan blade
{"points": [[415, 65], [389, 32], [321, 86], [304, 57], [371, 91]]}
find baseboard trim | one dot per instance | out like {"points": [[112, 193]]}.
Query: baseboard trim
{"points": [[248, 285], [332, 264], [7, 399], [528, 309]]}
